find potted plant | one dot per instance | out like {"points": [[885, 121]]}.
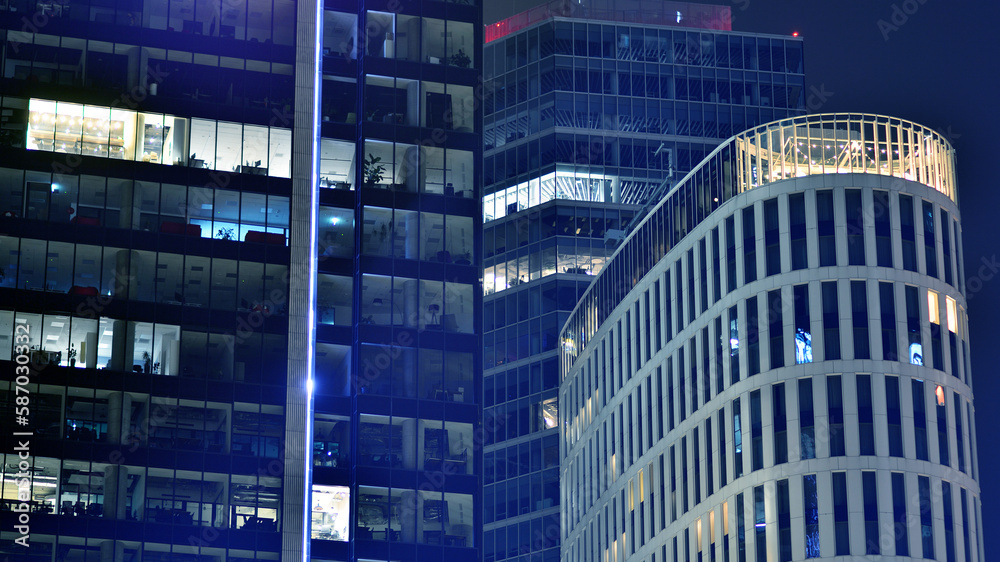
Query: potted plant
{"points": [[373, 170], [72, 355], [460, 59], [226, 234]]}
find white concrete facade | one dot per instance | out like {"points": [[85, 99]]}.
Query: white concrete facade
{"points": [[653, 465]]}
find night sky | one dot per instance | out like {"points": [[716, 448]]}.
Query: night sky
{"points": [[938, 65]]}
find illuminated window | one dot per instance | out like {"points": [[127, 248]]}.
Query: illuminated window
{"points": [[939, 394], [550, 413], [932, 308], [952, 315], [331, 512]]}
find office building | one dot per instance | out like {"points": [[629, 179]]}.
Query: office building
{"points": [[241, 237], [590, 109], [775, 363]]}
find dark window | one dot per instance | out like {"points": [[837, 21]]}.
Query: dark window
{"points": [[730, 253], [659, 402], [965, 525], [826, 228], [749, 246], [775, 324], [756, 432], [797, 230], [926, 516], [706, 361], [866, 415], [870, 495], [859, 320], [684, 475], [703, 271], [784, 522], [841, 530], [920, 420], [855, 227], [753, 338], [709, 465], [760, 524], [692, 312], [673, 484], [907, 232], [835, 406], [658, 339], [772, 249], [717, 267], [720, 341], [949, 521], [946, 246], [900, 522], [668, 316], [930, 248], [895, 416], [679, 286], [831, 321], [722, 446], [887, 306], [883, 229], [810, 501], [741, 536], [959, 435], [670, 393], [807, 427], [696, 457], [942, 428], [780, 421], [682, 384]]}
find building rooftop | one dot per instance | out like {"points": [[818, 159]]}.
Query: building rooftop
{"points": [[646, 12]]}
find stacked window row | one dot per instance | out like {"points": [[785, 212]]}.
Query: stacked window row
{"points": [[253, 20], [779, 328], [532, 317], [162, 496], [148, 206], [87, 341], [537, 537], [638, 44], [536, 488], [758, 431], [259, 84], [158, 422], [774, 237], [809, 516]]}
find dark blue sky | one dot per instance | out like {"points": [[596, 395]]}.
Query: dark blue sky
{"points": [[939, 67]]}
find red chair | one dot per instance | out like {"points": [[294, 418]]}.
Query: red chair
{"points": [[180, 228], [265, 238]]}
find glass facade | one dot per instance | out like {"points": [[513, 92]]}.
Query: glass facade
{"points": [[588, 111], [234, 232]]}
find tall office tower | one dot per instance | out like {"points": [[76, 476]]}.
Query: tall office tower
{"points": [[588, 111], [775, 363], [239, 245]]}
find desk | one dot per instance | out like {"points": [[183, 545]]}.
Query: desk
{"points": [[252, 170]]}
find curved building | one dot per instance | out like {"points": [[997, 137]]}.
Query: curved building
{"points": [[774, 364]]}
